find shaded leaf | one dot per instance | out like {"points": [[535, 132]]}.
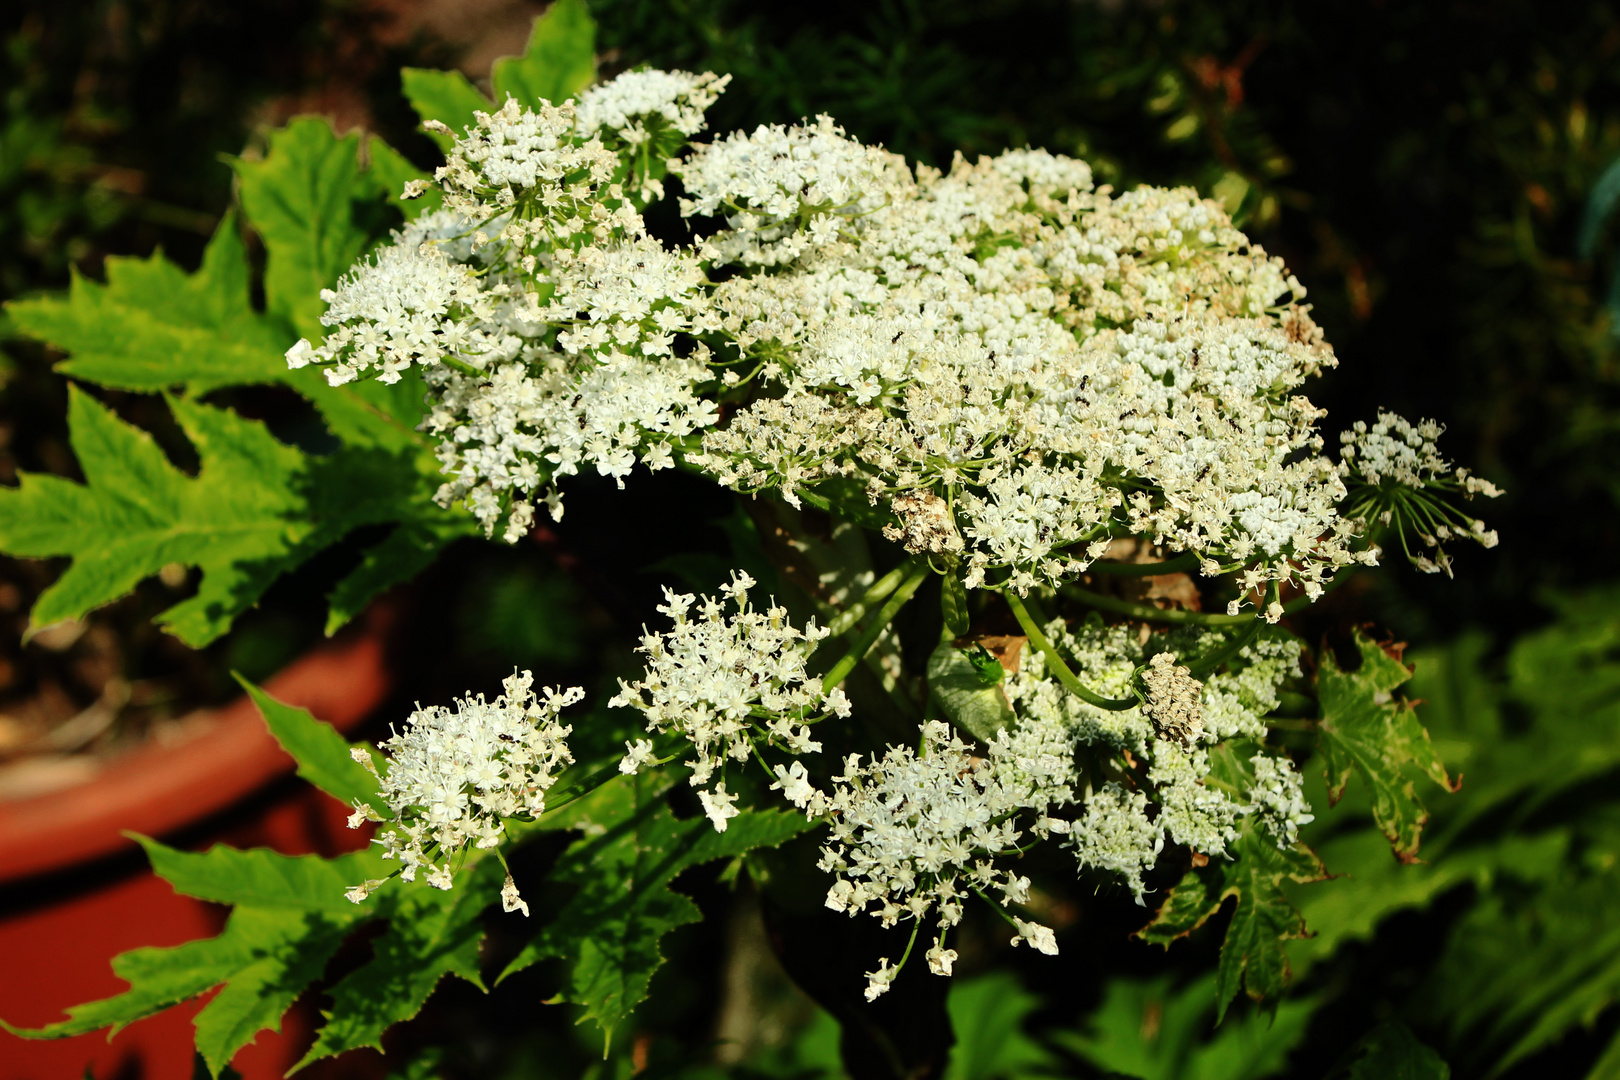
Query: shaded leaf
{"points": [[404, 553], [955, 680], [609, 931], [1391, 1052], [1152, 1030], [988, 1015], [430, 934], [558, 63], [1252, 953], [392, 171], [1363, 729]]}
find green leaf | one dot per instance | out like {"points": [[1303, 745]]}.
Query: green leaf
{"points": [[609, 931], [153, 327], [265, 957], [1252, 953], [392, 171], [955, 681], [324, 757], [988, 1016], [238, 519], [430, 934], [303, 199], [1391, 1052], [1151, 1030], [559, 62], [264, 878], [1365, 730], [445, 96], [405, 552], [255, 509]]}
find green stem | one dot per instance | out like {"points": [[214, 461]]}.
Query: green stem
{"points": [[918, 570], [1206, 664], [842, 623], [462, 366], [1068, 678], [1187, 560], [1149, 613]]}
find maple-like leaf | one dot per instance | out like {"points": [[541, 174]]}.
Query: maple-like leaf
{"points": [[1365, 729], [1252, 953], [610, 931]]}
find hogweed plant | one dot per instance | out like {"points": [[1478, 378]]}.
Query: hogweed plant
{"points": [[1020, 386]]}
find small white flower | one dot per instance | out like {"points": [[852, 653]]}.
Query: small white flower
{"points": [[510, 900], [877, 982], [636, 755], [717, 806], [940, 959], [1040, 938]]}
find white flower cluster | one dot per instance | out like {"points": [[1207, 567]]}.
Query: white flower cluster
{"points": [[783, 190], [1401, 481], [1278, 798], [454, 774], [1163, 790], [917, 833], [1016, 363], [408, 304], [726, 681], [1049, 360], [628, 104]]}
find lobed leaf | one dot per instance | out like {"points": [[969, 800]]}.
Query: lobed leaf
{"points": [[609, 932], [1363, 729], [430, 934], [558, 63], [302, 199], [262, 878], [1252, 955], [446, 96], [265, 958]]}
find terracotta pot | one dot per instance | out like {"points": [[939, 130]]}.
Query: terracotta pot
{"points": [[61, 921]]}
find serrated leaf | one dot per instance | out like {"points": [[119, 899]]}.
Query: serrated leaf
{"points": [[1391, 1052], [262, 878], [324, 757], [1252, 956], [265, 957], [1152, 1029], [559, 61], [315, 209], [255, 509], [609, 932], [430, 934], [968, 703], [405, 552], [1363, 729], [152, 326], [445, 96]]}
